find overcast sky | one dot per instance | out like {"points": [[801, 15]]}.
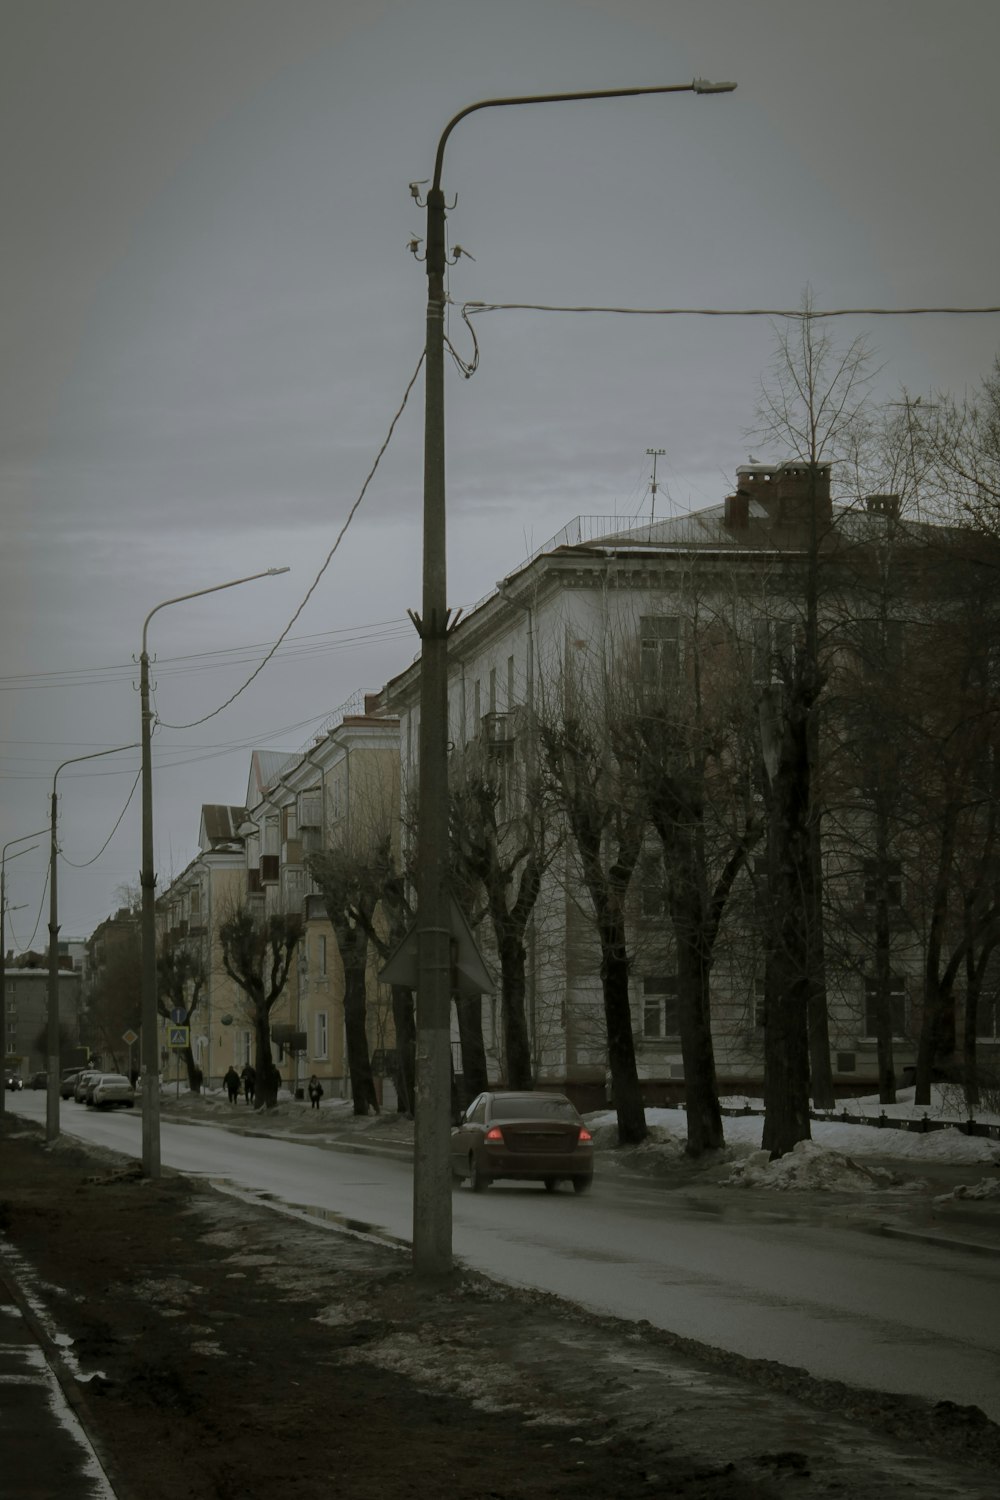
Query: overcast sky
{"points": [[209, 317]]}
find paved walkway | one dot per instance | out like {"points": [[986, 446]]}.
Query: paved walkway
{"points": [[45, 1453]]}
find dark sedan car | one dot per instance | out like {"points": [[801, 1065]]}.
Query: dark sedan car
{"points": [[524, 1136]]}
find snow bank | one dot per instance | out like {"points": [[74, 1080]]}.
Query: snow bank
{"points": [[813, 1168]]}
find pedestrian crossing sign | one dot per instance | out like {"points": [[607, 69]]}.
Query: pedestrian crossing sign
{"points": [[178, 1035]]}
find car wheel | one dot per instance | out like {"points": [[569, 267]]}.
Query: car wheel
{"points": [[582, 1184], [130, 1104], [550, 1184], [478, 1181]]}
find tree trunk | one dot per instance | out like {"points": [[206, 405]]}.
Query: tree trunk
{"points": [[358, 1058], [194, 1073], [516, 1043], [621, 1045], [820, 1067], [475, 1079], [704, 1118], [786, 1031], [691, 925], [404, 1023], [268, 1079]]}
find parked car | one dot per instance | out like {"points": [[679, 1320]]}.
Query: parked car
{"points": [[525, 1136], [84, 1082], [111, 1089], [12, 1080], [39, 1081], [68, 1082]]}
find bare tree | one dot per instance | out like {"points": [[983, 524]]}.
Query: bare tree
{"points": [[503, 841], [351, 889], [695, 750], [257, 953], [181, 978], [812, 405], [593, 776]]}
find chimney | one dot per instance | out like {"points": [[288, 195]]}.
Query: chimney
{"points": [[882, 505], [737, 514]]}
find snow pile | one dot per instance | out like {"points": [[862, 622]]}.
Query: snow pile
{"points": [[988, 1188], [811, 1168], [661, 1148]]}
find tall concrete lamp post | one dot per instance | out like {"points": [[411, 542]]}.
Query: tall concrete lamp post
{"points": [[432, 1219], [3, 949], [147, 880], [52, 1015]]}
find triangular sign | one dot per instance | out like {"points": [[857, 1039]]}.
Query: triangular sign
{"points": [[473, 977]]}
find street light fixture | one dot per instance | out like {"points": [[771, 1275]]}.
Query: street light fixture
{"points": [[147, 880], [3, 950], [432, 1217], [52, 1042]]}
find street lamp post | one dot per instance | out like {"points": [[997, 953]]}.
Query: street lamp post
{"points": [[432, 1218], [3, 951], [52, 1034], [150, 1057]]}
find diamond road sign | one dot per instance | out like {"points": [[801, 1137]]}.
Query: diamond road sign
{"points": [[128, 1037]]}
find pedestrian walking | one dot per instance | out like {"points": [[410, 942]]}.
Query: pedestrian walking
{"points": [[231, 1083], [315, 1091], [249, 1082]]}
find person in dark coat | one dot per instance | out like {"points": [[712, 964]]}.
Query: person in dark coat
{"points": [[249, 1077], [315, 1091], [231, 1083]]}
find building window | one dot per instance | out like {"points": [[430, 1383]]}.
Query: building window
{"points": [[322, 1035], [245, 1047], [321, 956], [988, 1017], [510, 683], [651, 885], [897, 1006], [659, 650], [659, 1007], [892, 878]]}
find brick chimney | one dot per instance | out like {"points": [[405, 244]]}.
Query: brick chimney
{"points": [[788, 490]]}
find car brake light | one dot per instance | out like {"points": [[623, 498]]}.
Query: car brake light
{"points": [[585, 1134], [495, 1135]]}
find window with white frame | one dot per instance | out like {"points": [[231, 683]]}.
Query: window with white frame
{"points": [[897, 1005], [244, 1048], [659, 650], [322, 1035], [660, 1017]]}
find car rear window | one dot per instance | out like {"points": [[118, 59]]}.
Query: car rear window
{"points": [[538, 1108], [114, 1078]]}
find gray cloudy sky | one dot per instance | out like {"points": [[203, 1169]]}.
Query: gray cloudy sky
{"points": [[209, 317]]}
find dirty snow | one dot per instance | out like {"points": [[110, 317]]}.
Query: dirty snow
{"points": [[834, 1160]]}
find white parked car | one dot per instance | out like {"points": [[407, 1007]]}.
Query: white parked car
{"points": [[112, 1089]]}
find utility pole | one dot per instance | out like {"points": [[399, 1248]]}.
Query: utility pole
{"points": [[432, 1215], [654, 454]]}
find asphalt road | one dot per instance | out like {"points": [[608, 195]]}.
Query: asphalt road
{"points": [[835, 1301]]}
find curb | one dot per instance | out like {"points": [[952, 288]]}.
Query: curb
{"points": [[942, 1241]]}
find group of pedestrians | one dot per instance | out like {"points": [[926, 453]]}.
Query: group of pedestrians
{"points": [[233, 1080], [248, 1078]]}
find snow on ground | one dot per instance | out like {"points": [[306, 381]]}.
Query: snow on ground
{"points": [[834, 1160]]}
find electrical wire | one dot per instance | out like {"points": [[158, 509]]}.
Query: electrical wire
{"points": [[314, 644], [326, 563], [107, 841], [470, 309], [23, 947]]}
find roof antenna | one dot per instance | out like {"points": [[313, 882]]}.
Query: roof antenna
{"points": [[654, 454]]}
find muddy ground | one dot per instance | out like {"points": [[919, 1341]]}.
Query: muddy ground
{"points": [[227, 1352]]}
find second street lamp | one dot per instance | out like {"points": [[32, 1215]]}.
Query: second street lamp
{"points": [[52, 1029], [3, 949], [147, 879], [432, 1217]]}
